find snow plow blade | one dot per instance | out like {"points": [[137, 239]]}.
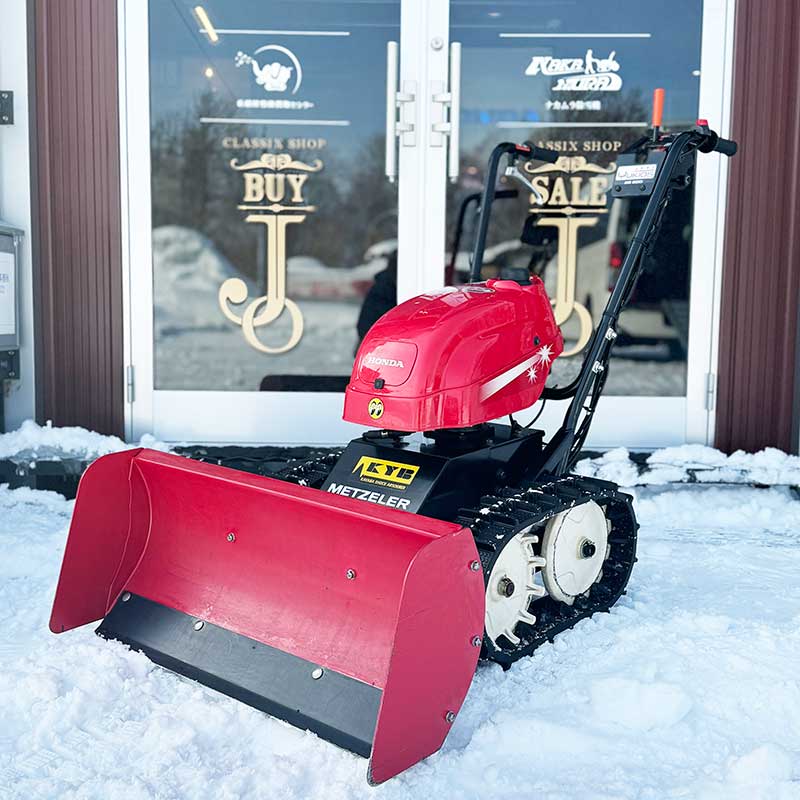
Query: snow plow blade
{"points": [[352, 620]]}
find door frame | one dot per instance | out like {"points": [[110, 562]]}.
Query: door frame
{"points": [[708, 229], [424, 49], [249, 417]]}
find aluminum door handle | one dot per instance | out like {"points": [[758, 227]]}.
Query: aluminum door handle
{"points": [[450, 100], [396, 100]]}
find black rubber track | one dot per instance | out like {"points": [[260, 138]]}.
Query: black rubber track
{"points": [[310, 473], [503, 516]]}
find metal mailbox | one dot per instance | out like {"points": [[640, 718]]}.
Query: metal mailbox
{"points": [[10, 242]]}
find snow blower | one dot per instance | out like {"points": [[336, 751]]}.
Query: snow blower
{"points": [[354, 595]]}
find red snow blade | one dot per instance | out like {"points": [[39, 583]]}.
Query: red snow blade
{"points": [[350, 619]]}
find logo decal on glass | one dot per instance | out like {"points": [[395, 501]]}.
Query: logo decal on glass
{"points": [[273, 195], [273, 76], [587, 74], [575, 196]]}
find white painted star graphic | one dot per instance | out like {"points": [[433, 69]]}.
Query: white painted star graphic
{"points": [[545, 354], [532, 374]]}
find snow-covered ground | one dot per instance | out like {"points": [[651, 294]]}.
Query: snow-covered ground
{"points": [[689, 688], [691, 463], [32, 442]]}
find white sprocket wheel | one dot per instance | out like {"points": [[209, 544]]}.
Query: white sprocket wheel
{"points": [[574, 547], [512, 587]]}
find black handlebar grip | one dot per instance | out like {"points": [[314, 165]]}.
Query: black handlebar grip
{"points": [[726, 146], [543, 154], [540, 153]]}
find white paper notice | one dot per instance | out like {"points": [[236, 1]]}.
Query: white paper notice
{"points": [[629, 173], [8, 309]]}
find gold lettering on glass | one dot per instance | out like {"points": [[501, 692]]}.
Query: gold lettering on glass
{"points": [[273, 196], [574, 192]]}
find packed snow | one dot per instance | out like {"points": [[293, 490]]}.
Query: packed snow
{"points": [[691, 463], [32, 442], [689, 688]]}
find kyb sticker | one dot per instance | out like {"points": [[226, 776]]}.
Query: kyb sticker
{"points": [[385, 473], [587, 74]]}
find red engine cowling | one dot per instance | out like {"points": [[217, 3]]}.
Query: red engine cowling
{"points": [[455, 358]]}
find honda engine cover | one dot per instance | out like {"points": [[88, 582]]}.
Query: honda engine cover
{"points": [[455, 358]]}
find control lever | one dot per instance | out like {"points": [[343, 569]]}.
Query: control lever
{"points": [[513, 171]]}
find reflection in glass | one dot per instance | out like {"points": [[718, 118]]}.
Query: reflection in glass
{"points": [[271, 215], [525, 76]]}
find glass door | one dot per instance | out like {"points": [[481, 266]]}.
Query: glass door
{"points": [[578, 77], [263, 230], [275, 154]]}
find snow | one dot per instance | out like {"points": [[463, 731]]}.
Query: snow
{"points": [[687, 689], [47, 443], [694, 462]]}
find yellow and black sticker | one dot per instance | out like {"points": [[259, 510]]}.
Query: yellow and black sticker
{"points": [[375, 408], [385, 473]]}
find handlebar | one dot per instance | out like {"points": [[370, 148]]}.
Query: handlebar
{"points": [[726, 146], [531, 151], [709, 141], [526, 150], [713, 142]]}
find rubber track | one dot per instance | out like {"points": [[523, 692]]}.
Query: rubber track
{"points": [[504, 515], [311, 473]]}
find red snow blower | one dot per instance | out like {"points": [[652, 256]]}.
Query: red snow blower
{"points": [[354, 596]]}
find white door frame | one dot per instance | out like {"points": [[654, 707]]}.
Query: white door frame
{"points": [[254, 417], [313, 417], [708, 231], [424, 28]]}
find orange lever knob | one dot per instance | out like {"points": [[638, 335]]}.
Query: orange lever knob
{"points": [[658, 107]]}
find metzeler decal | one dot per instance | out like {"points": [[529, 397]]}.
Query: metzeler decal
{"points": [[378, 470], [388, 500]]}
